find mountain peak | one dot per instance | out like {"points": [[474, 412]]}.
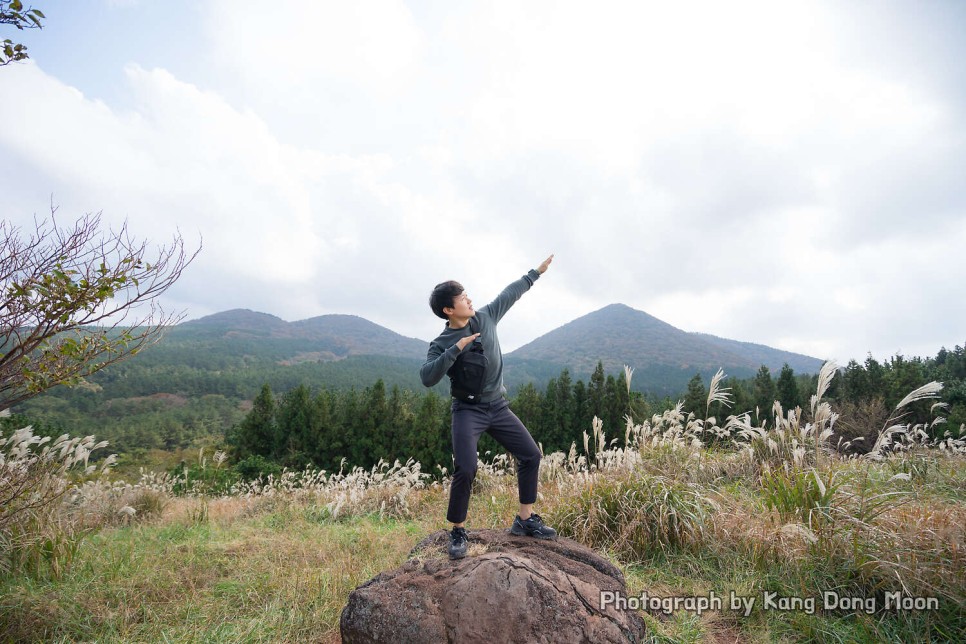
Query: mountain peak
{"points": [[621, 314], [239, 319], [325, 337], [663, 356]]}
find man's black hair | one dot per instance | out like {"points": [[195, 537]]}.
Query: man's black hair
{"points": [[443, 295]]}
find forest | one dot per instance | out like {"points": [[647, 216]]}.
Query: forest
{"points": [[312, 415]]}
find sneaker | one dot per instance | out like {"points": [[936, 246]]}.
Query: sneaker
{"points": [[532, 527], [457, 543]]}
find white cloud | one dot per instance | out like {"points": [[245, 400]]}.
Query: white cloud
{"points": [[747, 170], [274, 219], [372, 45]]}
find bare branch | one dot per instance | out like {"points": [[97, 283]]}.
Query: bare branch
{"points": [[76, 299]]}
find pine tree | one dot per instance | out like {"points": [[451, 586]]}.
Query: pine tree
{"points": [[377, 434], [615, 405], [764, 393], [429, 441], [582, 417], [296, 428], [739, 394], [855, 382], [566, 413], [329, 445], [787, 389], [528, 405], [596, 392], [696, 398], [255, 435]]}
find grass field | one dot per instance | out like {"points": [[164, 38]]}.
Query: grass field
{"points": [[798, 543]]}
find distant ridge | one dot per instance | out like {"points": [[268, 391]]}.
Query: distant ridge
{"points": [[619, 335], [774, 359], [238, 320], [663, 356], [326, 337]]}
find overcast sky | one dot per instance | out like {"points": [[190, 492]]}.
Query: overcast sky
{"points": [[792, 174]]}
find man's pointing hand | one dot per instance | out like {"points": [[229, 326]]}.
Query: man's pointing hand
{"points": [[545, 265]]}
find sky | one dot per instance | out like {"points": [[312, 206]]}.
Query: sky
{"points": [[791, 174]]}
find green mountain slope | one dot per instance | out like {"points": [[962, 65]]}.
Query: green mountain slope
{"points": [[319, 339], [204, 372], [760, 354], [664, 357]]}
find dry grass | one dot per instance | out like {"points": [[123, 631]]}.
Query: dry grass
{"points": [[770, 508]]}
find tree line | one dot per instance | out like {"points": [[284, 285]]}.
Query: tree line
{"points": [[864, 393], [330, 428]]}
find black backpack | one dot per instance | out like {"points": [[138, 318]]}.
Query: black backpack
{"points": [[466, 374]]}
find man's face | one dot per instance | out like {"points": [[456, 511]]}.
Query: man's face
{"points": [[462, 306]]}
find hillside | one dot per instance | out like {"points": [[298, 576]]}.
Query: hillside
{"points": [[664, 357], [320, 339], [760, 354], [204, 372]]}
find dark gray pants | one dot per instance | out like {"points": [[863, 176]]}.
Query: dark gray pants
{"points": [[495, 418]]}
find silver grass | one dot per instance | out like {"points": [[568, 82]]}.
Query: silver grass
{"points": [[928, 390], [825, 375], [717, 393], [799, 530]]}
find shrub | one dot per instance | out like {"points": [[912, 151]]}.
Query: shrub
{"points": [[256, 467], [34, 478], [636, 518], [199, 478], [800, 495]]}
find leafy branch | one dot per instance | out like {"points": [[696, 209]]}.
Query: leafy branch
{"points": [[74, 300], [13, 13]]}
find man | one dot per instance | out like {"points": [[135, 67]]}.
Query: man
{"points": [[489, 411]]}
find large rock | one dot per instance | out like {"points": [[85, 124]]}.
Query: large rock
{"points": [[508, 589]]}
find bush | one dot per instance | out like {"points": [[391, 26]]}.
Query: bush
{"points": [[257, 467], [34, 478], [636, 518], [202, 479]]}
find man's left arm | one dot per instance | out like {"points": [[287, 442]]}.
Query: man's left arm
{"points": [[498, 307]]}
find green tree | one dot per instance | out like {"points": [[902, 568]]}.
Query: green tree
{"points": [[545, 430], [876, 378], [582, 416], [255, 435], [764, 392], [329, 447], [71, 302], [596, 392], [377, 435], [640, 409], [351, 423], [565, 420], [296, 428], [13, 13], [696, 398], [528, 404], [787, 389], [739, 394], [399, 423], [855, 382], [429, 441], [615, 404]]}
